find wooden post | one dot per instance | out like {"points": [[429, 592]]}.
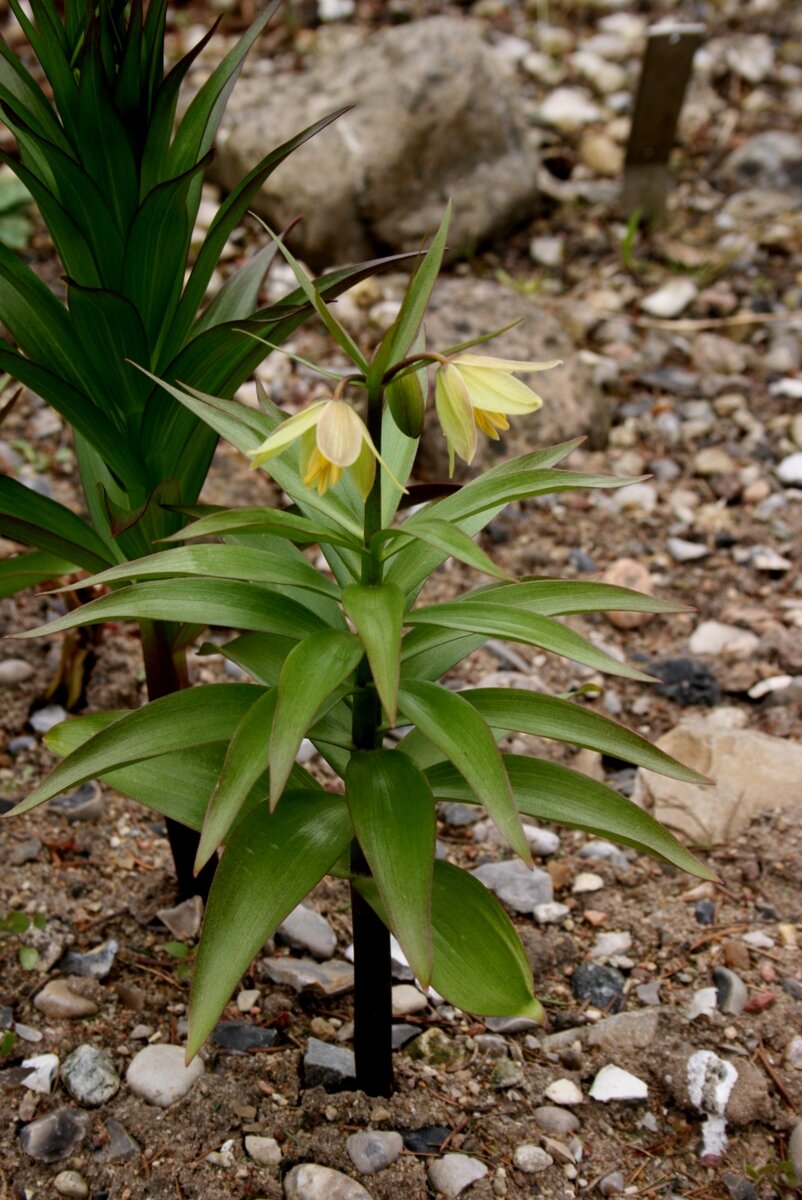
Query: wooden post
{"points": [[664, 77]]}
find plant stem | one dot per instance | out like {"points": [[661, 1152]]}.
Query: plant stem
{"points": [[372, 964], [165, 673]]}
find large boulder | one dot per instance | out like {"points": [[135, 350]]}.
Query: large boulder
{"points": [[436, 115]]}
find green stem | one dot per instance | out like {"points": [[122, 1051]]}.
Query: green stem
{"points": [[372, 963]]}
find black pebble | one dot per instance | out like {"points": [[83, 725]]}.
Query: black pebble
{"points": [[427, 1140], [599, 985], [705, 912], [242, 1036], [686, 681]]}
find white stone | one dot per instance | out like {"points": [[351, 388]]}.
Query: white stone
{"points": [[43, 1070], [159, 1074], [247, 998], [309, 1181], [640, 496], [613, 1083], [14, 670], [789, 470], [671, 299], [587, 881], [407, 999], [542, 842], [685, 551], [263, 1150], [565, 1092], [710, 1081], [531, 1159], [714, 637], [224, 1157], [569, 109], [551, 914], [703, 1003], [793, 1053], [750, 56], [611, 943], [453, 1173], [548, 251], [71, 1184]]}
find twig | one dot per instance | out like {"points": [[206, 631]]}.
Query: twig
{"points": [[457, 1129], [714, 934], [763, 1058], [691, 324]]}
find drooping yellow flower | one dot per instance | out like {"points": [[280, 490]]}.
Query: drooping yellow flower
{"points": [[475, 391], [334, 438]]}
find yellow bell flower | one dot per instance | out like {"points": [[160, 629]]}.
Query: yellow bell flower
{"points": [[475, 391], [333, 438]]}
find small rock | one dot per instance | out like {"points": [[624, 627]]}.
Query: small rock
{"points": [[703, 1003], [55, 1136], [542, 842], [42, 1072], [327, 1066], [62, 1000], [374, 1150], [94, 964], [435, 1048], [402, 1034], [601, 153], [569, 109], [516, 885], [263, 1150], [406, 1000], [793, 1053], [120, 1144], [427, 1140], [453, 1173], [629, 573], [306, 929], [789, 470], [23, 852], [70, 1183], [714, 637], [332, 978], [601, 986], [611, 944], [686, 681], [28, 1034], [612, 1184], [564, 1091], [587, 881], [532, 1160], [624, 1032], [159, 1074], [506, 1073], [184, 920], [224, 1157], [44, 719], [548, 252], [458, 815], [704, 912], [309, 1181], [510, 1024], [240, 1036], [731, 994], [247, 999], [736, 954], [795, 1151], [649, 993], [89, 1076], [636, 497], [613, 1083], [13, 671], [19, 745], [551, 914], [712, 460], [555, 1120], [606, 851], [683, 551], [84, 804], [671, 299]]}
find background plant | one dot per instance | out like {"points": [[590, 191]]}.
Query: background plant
{"points": [[118, 185], [346, 656]]}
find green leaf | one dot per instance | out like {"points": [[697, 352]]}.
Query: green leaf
{"points": [[261, 655], [35, 520], [198, 601], [392, 810], [428, 652], [550, 792], [272, 862], [528, 629], [26, 570], [245, 762], [554, 597], [399, 453], [28, 957], [464, 737], [175, 722], [111, 330], [451, 540], [479, 964], [312, 671], [275, 521], [222, 562], [377, 612]]}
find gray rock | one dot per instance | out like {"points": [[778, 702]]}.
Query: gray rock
{"points": [[62, 999], [731, 993], [435, 1048], [84, 804], [771, 159], [516, 885], [19, 745], [612, 1184], [327, 1066], [553, 1119], [458, 815], [54, 1137], [331, 978], [70, 1183], [95, 964], [600, 986], [403, 1033], [89, 1076], [119, 1146], [417, 92], [44, 719], [374, 1150], [453, 1173], [309, 1181], [606, 851], [307, 930], [263, 1150], [510, 1024], [649, 993], [507, 1073], [23, 852], [240, 1036], [406, 1000], [159, 1074], [184, 919], [531, 1159], [795, 1151], [625, 1032], [13, 671]]}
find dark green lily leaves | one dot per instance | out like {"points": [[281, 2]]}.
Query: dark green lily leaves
{"points": [[378, 613], [271, 863], [392, 810]]}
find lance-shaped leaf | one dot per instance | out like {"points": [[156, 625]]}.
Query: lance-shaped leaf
{"points": [[274, 521], [222, 562], [377, 612], [271, 863], [392, 810], [197, 601], [496, 620], [451, 724], [478, 961], [555, 597], [26, 570], [312, 671], [172, 723], [35, 520], [261, 655], [551, 792], [450, 539], [245, 761]]}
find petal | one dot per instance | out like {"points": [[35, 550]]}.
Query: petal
{"points": [[287, 432], [340, 433], [503, 364], [498, 391], [490, 423], [321, 473], [454, 412], [363, 471]]}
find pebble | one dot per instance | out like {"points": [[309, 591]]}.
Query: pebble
{"points": [[611, 944], [70, 1183], [159, 1074], [84, 804], [714, 637], [510, 1024], [403, 1033], [406, 1000], [457, 815], [94, 964], [263, 1150], [332, 978], [569, 109], [54, 1137], [240, 1036], [793, 1053], [683, 551], [530, 1159], [520, 888], [44, 719], [309, 1181], [374, 1150], [120, 1144], [542, 842], [184, 919], [613, 1083], [548, 252], [736, 954], [23, 852], [453, 1173], [224, 1157], [306, 929], [435, 1048], [42, 1072], [607, 851], [247, 999], [564, 1091], [624, 1032], [686, 681], [789, 470], [551, 914], [599, 985], [636, 497], [427, 1140], [28, 1034], [612, 1184], [703, 1003], [18, 745], [671, 299], [629, 573], [507, 1073], [327, 1066], [731, 994], [62, 1000], [795, 1151], [89, 1076], [792, 986], [585, 882], [13, 671], [552, 1119], [704, 912]]}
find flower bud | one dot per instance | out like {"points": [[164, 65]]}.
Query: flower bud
{"points": [[406, 400]]}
